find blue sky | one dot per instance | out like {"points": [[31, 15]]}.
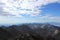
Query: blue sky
{"points": [[52, 8], [29, 11]]}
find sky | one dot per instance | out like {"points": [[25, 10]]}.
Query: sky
{"points": [[29, 11]]}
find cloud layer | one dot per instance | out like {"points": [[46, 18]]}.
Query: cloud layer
{"points": [[18, 7]]}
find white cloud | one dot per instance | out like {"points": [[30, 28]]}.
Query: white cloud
{"points": [[17, 7], [30, 7]]}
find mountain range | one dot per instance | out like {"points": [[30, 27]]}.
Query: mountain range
{"points": [[30, 31]]}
